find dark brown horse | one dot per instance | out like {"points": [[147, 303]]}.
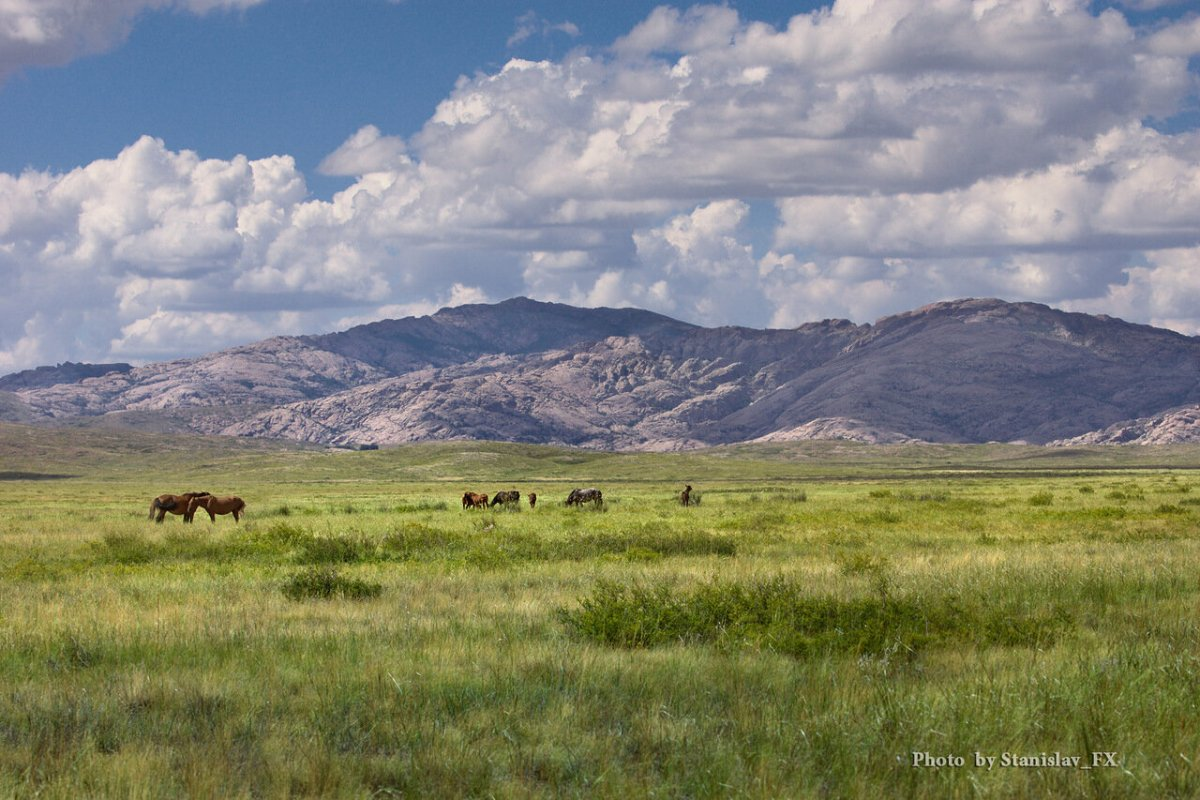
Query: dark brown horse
{"points": [[685, 497], [174, 504], [218, 505], [506, 498], [532, 499], [578, 497], [473, 500]]}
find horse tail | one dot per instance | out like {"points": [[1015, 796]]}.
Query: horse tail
{"points": [[157, 504]]}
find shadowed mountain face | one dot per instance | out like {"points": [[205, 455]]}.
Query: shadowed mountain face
{"points": [[969, 370]]}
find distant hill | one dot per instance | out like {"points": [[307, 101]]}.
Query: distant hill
{"points": [[67, 372], [960, 371]]}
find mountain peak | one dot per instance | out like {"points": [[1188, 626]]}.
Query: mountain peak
{"points": [[975, 369]]}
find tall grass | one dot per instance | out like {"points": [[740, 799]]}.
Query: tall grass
{"points": [[824, 614]]}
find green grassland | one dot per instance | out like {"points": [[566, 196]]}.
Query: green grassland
{"points": [[827, 611]]}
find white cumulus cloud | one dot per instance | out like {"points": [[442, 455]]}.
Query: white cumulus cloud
{"points": [[911, 151]]}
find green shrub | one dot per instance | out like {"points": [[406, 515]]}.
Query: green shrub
{"points": [[776, 614], [420, 505], [1041, 499], [277, 539], [285, 533], [325, 583]]}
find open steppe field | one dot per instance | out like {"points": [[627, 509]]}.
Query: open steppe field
{"points": [[832, 620]]}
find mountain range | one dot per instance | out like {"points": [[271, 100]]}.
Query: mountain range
{"points": [[974, 370]]}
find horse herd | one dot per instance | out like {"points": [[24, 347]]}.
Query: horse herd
{"points": [[512, 498], [188, 503], [577, 497]]}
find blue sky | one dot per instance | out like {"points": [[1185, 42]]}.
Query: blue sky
{"points": [[292, 76], [182, 175]]}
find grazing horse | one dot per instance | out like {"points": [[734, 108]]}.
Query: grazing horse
{"points": [[578, 497], [532, 499], [218, 505], [685, 497], [507, 498], [473, 500], [175, 504]]}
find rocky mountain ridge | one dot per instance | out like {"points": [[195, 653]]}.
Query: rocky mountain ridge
{"points": [[969, 370], [1173, 426], [66, 372]]}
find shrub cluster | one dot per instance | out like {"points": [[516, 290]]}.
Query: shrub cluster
{"points": [[326, 583], [776, 614]]}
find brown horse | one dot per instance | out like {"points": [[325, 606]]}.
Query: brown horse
{"points": [[532, 499], [473, 500], [685, 497], [174, 504], [218, 505]]}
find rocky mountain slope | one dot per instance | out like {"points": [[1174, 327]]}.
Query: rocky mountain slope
{"points": [[968, 370], [1174, 426]]}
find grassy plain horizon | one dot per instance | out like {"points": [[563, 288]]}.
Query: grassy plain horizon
{"points": [[828, 610]]}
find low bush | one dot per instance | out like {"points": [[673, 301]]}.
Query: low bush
{"points": [[345, 549], [776, 614], [420, 505], [324, 583], [1041, 499]]}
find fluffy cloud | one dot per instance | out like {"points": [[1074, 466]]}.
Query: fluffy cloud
{"points": [[53, 32], [913, 151], [1163, 291], [1135, 189], [365, 152]]}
